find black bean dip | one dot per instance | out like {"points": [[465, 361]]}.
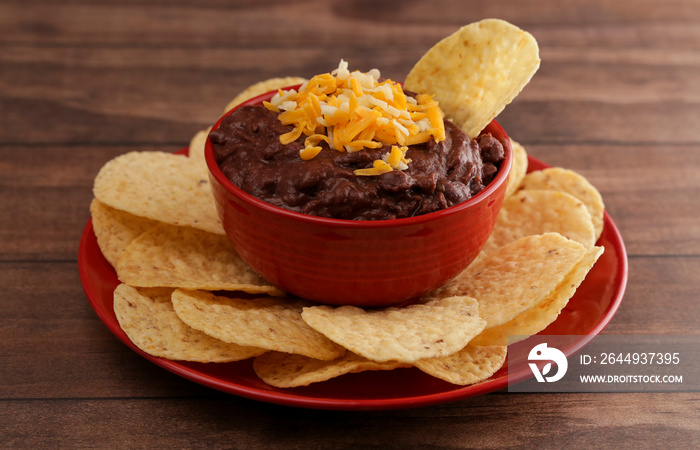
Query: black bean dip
{"points": [[247, 148]]}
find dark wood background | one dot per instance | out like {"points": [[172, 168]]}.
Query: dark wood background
{"points": [[617, 98]]}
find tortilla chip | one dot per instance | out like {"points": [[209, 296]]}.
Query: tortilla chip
{"points": [[283, 370], [438, 328], [171, 256], [269, 323], [565, 180], [515, 277], [114, 229], [148, 319], [475, 72], [518, 169], [263, 87], [533, 212], [470, 365], [196, 149], [537, 318], [161, 186]]}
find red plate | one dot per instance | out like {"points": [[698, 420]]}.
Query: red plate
{"points": [[587, 313]]}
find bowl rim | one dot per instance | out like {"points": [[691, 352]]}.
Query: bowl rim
{"points": [[215, 171]]}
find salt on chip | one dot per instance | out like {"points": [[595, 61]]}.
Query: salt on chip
{"points": [[537, 318], [515, 277], [565, 180], [115, 229], [438, 328], [518, 169], [161, 186], [533, 212], [262, 87], [172, 256], [283, 370], [148, 319], [470, 365], [475, 72], [269, 323]]}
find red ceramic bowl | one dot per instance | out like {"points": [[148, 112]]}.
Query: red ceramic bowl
{"points": [[362, 263]]}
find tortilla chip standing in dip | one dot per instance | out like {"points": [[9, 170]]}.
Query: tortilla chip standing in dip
{"points": [[347, 145]]}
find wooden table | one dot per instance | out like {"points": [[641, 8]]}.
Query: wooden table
{"points": [[617, 98]]}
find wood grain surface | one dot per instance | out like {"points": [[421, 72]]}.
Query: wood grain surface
{"points": [[617, 98]]}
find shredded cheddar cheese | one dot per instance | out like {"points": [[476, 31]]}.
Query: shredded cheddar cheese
{"points": [[351, 111]]}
